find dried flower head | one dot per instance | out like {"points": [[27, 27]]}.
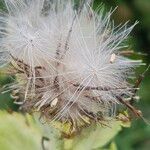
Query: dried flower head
{"points": [[68, 62]]}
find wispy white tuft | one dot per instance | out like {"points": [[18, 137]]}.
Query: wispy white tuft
{"points": [[70, 58]]}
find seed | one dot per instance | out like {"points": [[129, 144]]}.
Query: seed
{"points": [[112, 58], [54, 102]]}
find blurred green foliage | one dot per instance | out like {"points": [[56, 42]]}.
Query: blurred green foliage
{"points": [[138, 136]]}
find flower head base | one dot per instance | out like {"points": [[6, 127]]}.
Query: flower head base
{"points": [[67, 61]]}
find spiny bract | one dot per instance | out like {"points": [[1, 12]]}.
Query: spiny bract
{"points": [[67, 60]]}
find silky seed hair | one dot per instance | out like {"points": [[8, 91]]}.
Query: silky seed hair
{"points": [[68, 61]]}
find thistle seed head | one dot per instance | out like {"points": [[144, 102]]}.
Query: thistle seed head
{"points": [[67, 61]]}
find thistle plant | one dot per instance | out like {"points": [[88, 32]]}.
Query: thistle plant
{"points": [[69, 62]]}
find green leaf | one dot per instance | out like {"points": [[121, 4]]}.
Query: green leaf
{"points": [[18, 132], [94, 137], [23, 132]]}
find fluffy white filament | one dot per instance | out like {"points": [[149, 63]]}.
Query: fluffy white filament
{"points": [[78, 51]]}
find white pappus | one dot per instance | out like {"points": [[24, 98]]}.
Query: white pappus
{"points": [[68, 58]]}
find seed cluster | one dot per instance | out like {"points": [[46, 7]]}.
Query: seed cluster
{"points": [[69, 63]]}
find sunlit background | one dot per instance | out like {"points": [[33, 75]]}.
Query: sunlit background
{"points": [[138, 136]]}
